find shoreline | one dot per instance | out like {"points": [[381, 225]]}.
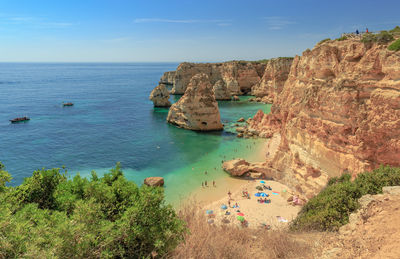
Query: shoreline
{"points": [[276, 214]]}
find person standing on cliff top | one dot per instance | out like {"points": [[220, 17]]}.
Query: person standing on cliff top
{"points": [[366, 30], [357, 32]]}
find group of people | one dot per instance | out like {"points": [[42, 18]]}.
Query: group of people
{"points": [[265, 200], [205, 184], [366, 31]]}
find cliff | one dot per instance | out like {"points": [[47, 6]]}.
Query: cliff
{"points": [[238, 76], [197, 109], [338, 111], [160, 96], [274, 77], [168, 78]]}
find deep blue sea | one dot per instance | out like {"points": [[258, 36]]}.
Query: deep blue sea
{"points": [[112, 120]]}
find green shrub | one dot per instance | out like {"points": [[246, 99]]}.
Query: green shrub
{"points": [[324, 40], [395, 31], [331, 208], [384, 37], [50, 216], [395, 46], [342, 38]]}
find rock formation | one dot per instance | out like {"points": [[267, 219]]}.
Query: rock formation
{"points": [[339, 111], [240, 167], [274, 77], [168, 78], [160, 96], [197, 109], [221, 92], [238, 76], [154, 181]]}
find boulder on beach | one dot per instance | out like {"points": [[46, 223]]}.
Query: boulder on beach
{"points": [[154, 181], [241, 119], [236, 167]]}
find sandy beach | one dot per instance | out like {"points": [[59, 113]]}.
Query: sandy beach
{"points": [[277, 213]]}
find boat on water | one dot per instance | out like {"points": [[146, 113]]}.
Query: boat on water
{"points": [[68, 104], [20, 119]]}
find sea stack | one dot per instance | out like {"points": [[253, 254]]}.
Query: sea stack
{"points": [[197, 109], [221, 92], [160, 96]]}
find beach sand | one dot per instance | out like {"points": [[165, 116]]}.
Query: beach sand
{"points": [[256, 213], [211, 198]]}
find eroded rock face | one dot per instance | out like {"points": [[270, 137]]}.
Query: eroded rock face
{"points": [[275, 75], [238, 76], [154, 181], [197, 109], [339, 111], [168, 78], [160, 96], [221, 92]]}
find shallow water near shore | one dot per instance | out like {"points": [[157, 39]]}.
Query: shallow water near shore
{"points": [[112, 121]]}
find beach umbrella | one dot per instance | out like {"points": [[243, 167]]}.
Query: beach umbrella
{"points": [[240, 214], [209, 212], [257, 194], [262, 182], [224, 207], [240, 218], [263, 194]]}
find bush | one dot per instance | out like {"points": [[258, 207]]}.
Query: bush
{"points": [[331, 208], [395, 31], [395, 46], [342, 38], [49, 216], [324, 40], [384, 37]]}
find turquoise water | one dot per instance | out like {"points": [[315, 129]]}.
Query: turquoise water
{"points": [[112, 121]]}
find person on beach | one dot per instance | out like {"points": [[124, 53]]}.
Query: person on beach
{"points": [[205, 172], [205, 183], [202, 185], [229, 203], [214, 183], [229, 194]]}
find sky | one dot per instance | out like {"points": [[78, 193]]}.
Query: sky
{"points": [[177, 31]]}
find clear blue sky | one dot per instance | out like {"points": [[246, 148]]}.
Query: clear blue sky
{"points": [[184, 30]]}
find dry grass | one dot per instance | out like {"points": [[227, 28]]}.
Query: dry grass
{"points": [[211, 241]]}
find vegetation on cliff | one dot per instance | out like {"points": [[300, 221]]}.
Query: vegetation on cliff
{"points": [[51, 216], [395, 46], [331, 208]]}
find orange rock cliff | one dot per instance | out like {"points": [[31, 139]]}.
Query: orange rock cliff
{"points": [[339, 111]]}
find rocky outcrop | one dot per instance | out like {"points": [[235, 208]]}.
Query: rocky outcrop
{"points": [[154, 181], [168, 78], [160, 96], [274, 77], [197, 109], [339, 111], [240, 167], [221, 92], [238, 76]]}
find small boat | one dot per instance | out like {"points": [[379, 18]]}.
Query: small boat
{"points": [[20, 119], [68, 104]]}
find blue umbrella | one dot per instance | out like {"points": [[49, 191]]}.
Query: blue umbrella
{"points": [[263, 194], [224, 207], [262, 182], [209, 212], [257, 194]]}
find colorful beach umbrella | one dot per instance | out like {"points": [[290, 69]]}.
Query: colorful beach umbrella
{"points": [[240, 214], [263, 194], [209, 212], [240, 218], [257, 194], [224, 207], [262, 182]]}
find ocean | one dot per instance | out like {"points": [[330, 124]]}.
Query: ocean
{"points": [[112, 121]]}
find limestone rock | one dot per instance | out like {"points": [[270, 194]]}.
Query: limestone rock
{"points": [[168, 78], [236, 167], [197, 109], [160, 96], [241, 119], [338, 111], [154, 181], [221, 92], [235, 98]]}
